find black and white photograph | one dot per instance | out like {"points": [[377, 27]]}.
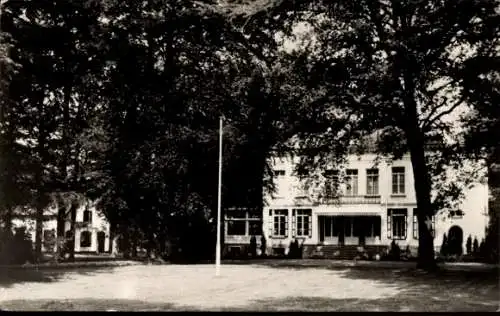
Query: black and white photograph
{"points": [[250, 155]]}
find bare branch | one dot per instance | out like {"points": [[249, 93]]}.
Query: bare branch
{"points": [[434, 109], [437, 89], [429, 121]]}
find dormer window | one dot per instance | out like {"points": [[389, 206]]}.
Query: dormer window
{"points": [[456, 214], [279, 172], [87, 216], [302, 172]]}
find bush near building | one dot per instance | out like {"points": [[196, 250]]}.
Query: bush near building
{"points": [[17, 248]]}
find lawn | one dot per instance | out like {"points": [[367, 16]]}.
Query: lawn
{"points": [[272, 286]]}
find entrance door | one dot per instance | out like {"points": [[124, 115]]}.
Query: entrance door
{"points": [[361, 229], [101, 240]]}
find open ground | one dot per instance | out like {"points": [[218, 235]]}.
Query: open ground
{"points": [[263, 286]]}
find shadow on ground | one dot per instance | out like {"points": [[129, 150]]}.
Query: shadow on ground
{"points": [[85, 305], [446, 290], [392, 304], [11, 276]]}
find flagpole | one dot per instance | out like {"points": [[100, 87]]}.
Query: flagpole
{"points": [[219, 200]]}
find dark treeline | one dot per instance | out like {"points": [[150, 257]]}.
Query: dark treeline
{"points": [[119, 102]]}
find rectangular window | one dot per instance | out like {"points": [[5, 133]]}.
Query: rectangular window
{"points": [[85, 239], [372, 182], [236, 228], [398, 180], [87, 216], [351, 180], [331, 183], [415, 225], [330, 226], [236, 224], [280, 220], [303, 222], [396, 223], [279, 173], [241, 222], [348, 225]]}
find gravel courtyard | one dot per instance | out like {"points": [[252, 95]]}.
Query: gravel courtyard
{"points": [[246, 288]]}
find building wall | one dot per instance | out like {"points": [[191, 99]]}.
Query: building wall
{"points": [[30, 224], [288, 188], [97, 224]]}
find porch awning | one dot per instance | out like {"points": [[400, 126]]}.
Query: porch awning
{"points": [[331, 211]]}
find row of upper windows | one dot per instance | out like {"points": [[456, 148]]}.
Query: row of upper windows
{"points": [[351, 180]]}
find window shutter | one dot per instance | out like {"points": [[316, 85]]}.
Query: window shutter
{"points": [[271, 223], [310, 225], [294, 223], [415, 227], [389, 228], [405, 227], [286, 223]]}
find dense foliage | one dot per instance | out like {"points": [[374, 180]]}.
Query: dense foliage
{"points": [[119, 102]]}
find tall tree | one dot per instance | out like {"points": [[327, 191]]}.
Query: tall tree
{"points": [[396, 67], [53, 43]]}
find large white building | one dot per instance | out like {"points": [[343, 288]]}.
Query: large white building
{"points": [[375, 204]]}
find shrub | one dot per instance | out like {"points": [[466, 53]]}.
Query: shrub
{"points": [[468, 245], [263, 246], [253, 246], [18, 248], [395, 251], [475, 247], [482, 250], [294, 249], [444, 246]]}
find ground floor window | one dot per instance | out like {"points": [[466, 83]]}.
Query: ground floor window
{"points": [[280, 223], [85, 239], [415, 225], [396, 223], [303, 222], [329, 227], [243, 223], [236, 227]]}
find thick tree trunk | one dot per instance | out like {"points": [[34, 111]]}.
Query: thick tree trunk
{"points": [[40, 190], [61, 212], [39, 231], [126, 243], [422, 180], [72, 242], [426, 259], [111, 238], [8, 219]]}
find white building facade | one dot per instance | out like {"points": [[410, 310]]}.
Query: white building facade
{"points": [[373, 205], [92, 231]]}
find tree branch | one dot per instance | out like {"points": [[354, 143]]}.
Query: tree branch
{"points": [[428, 122]]}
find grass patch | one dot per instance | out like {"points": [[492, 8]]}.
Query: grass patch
{"points": [[85, 305]]}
